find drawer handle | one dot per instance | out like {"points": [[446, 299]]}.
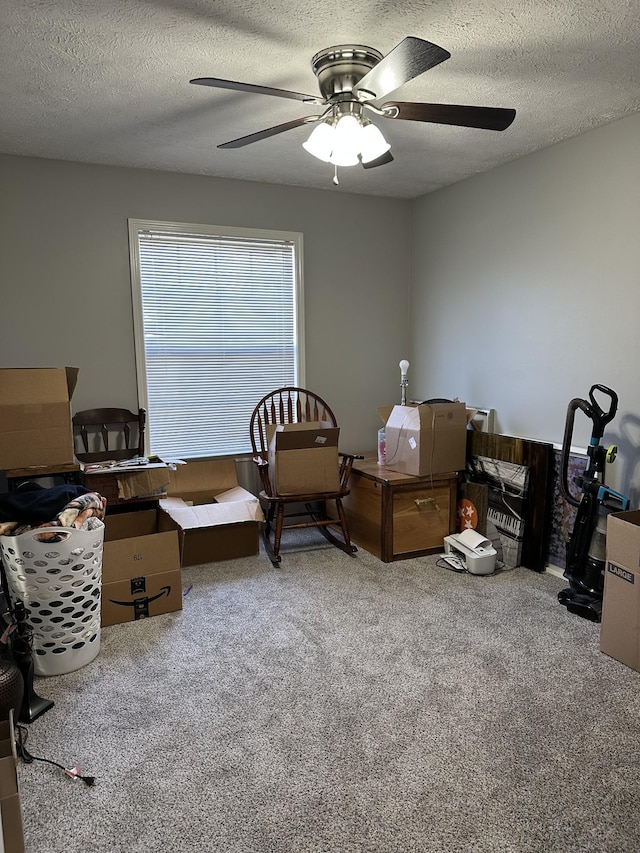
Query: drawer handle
{"points": [[422, 503]]}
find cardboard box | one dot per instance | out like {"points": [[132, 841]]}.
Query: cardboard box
{"points": [[35, 416], [620, 624], [11, 827], [141, 574], [122, 483], [426, 439], [215, 518], [303, 459]]}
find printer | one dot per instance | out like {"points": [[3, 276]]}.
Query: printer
{"points": [[474, 552]]}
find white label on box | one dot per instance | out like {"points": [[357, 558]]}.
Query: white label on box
{"points": [[412, 443], [321, 439]]}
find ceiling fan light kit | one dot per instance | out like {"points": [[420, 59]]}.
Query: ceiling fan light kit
{"points": [[347, 142], [351, 78]]}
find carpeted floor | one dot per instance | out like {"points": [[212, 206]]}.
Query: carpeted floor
{"points": [[342, 705]]}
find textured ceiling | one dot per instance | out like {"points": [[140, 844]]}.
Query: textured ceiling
{"points": [[107, 81]]}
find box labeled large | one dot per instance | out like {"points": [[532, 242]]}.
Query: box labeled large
{"points": [[35, 416], [620, 626], [215, 518], [426, 439], [303, 459], [141, 574]]}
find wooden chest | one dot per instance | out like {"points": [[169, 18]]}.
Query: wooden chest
{"points": [[395, 516]]}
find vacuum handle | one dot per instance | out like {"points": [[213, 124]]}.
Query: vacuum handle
{"points": [[599, 416]]}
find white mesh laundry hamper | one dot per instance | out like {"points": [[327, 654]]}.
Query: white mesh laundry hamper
{"points": [[60, 585]]}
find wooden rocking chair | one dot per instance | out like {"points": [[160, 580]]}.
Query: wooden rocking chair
{"points": [[287, 406]]}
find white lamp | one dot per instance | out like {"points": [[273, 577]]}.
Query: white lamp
{"points": [[404, 366]]}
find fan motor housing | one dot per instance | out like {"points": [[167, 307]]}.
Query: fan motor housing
{"points": [[339, 69]]}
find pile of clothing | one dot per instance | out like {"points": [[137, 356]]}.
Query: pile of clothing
{"points": [[32, 506]]}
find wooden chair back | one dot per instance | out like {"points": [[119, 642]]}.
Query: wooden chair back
{"points": [[110, 434], [286, 405]]}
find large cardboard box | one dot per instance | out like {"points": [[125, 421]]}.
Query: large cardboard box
{"points": [[215, 518], [303, 459], [426, 439], [141, 574], [620, 624], [35, 416], [11, 828]]}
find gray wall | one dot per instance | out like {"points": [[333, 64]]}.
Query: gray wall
{"points": [[522, 293], [66, 289], [526, 291]]}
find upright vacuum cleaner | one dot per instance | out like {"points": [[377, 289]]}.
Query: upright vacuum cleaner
{"points": [[586, 547]]}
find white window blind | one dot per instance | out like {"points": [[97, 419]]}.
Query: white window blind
{"points": [[218, 325]]}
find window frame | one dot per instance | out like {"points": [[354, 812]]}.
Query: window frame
{"points": [[135, 226]]}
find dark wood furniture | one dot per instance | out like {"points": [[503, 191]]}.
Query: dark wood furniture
{"points": [[287, 406], [110, 434], [395, 516], [69, 472], [538, 457]]}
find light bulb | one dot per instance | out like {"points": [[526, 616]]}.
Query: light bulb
{"points": [[404, 366]]}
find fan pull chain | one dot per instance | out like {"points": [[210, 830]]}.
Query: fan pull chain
{"points": [[335, 176]]}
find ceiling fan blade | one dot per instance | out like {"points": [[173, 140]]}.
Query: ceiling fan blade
{"points": [[413, 56], [270, 131], [485, 118], [387, 157], [256, 90]]}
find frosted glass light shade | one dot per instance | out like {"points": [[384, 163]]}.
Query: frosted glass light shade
{"points": [[372, 143], [320, 143], [346, 146]]}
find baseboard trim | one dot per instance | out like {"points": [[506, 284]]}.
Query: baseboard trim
{"points": [[556, 571]]}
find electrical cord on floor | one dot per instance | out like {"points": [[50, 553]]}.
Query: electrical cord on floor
{"points": [[21, 749]]}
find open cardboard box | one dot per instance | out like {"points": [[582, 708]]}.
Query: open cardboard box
{"points": [[11, 827], [215, 518], [303, 458], [430, 438], [35, 416], [141, 574], [620, 624]]}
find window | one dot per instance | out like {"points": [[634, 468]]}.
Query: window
{"points": [[218, 324]]}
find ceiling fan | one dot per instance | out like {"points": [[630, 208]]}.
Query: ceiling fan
{"points": [[352, 78]]}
